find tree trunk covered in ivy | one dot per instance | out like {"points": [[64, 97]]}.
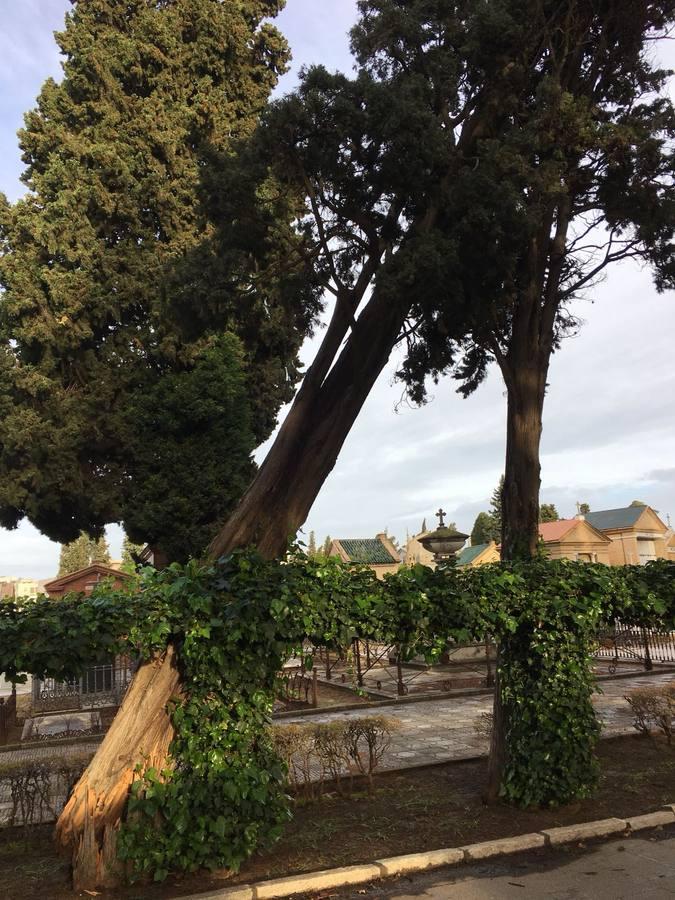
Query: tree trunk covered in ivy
{"points": [[524, 370]]}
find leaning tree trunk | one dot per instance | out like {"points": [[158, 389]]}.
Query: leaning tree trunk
{"points": [[273, 508], [526, 385]]}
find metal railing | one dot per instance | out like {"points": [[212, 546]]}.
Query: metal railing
{"points": [[99, 686], [628, 643]]}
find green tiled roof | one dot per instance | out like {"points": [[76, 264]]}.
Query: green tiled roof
{"points": [[367, 550], [615, 518], [468, 554]]}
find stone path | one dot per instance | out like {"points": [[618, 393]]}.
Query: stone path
{"points": [[440, 730], [429, 731]]}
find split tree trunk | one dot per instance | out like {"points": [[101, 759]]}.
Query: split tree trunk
{"points": [[271, 511], [140, 732]]}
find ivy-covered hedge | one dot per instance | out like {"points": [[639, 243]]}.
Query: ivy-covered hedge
{"points": [[234, 623]]}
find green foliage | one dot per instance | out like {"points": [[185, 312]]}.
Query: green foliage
{"points": [[111, 282], [130, 552], [485, 529], [189, 471], [579, 140], [488, 525], [82, 552], [548, 513], [233, 625]]}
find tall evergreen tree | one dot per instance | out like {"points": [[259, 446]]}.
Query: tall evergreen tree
{"points": [[111, 279], [311, 546], [548, 513], [574, 174], [496, 507], [99, 551], [485, 529], [83, 552], [130, 551], [75, 555]]}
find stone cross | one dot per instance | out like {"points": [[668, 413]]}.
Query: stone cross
{"points": [[440, 516]]}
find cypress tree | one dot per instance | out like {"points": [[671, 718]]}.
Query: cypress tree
{"points": [[130, 550], [83, 552], [111, 280], [75, 555], [548, 513], [485, 529]]}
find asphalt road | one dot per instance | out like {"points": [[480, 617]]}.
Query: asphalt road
{"points": [[635, 868]]}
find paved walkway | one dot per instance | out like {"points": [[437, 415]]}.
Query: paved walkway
{"points": [[623, 869], [427, 732], [432, 731]]}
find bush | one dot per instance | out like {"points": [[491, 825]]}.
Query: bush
{"points": [[295, 745], [332, 750], [654, 706], [38, 789], [367, 740]]}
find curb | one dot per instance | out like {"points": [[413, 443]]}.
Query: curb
{"points": [[453, 856]]}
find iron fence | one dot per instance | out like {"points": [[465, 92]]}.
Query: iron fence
{"points": [[628, 643], [99, 686]]}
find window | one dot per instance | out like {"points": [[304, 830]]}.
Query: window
{"points": [[646, 550]]}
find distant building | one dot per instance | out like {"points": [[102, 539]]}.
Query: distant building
{"points": [[14, 588], [416, 553], [636, 533], [670, 545], [478, 555], [85, 580], [575, 539], [378, 553]]}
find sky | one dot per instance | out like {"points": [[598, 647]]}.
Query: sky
{"points": [[609, 428]]}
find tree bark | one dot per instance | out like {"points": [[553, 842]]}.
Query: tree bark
{"points": [[310, 439], [140, 732], [522, 472]]}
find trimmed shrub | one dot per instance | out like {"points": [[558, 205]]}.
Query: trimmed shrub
{"points": [[653, 707]]}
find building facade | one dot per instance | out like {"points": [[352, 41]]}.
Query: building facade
{"points": [[636, 533]]}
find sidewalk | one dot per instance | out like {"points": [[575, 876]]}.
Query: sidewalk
{"points": [[434, 731]]}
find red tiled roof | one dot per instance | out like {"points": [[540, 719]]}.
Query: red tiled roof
{"points": [[554, 531], [94, 569]]}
